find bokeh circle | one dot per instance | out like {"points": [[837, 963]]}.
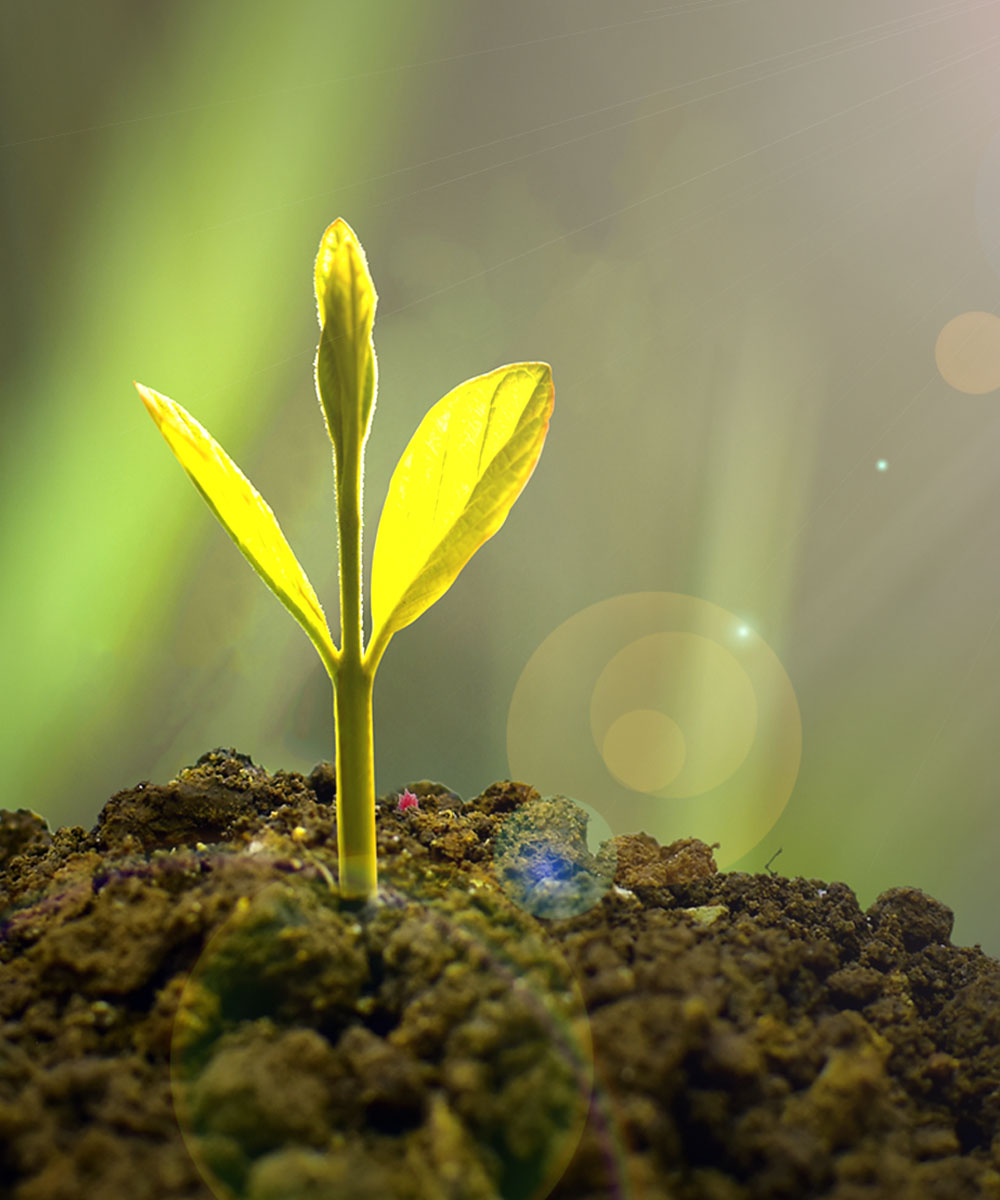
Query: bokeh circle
{"points": [[664, 712], [554, 857], [431, 1042], [967, 353]]}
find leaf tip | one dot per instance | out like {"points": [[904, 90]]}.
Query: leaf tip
{"points": [[543, 372], [337, 234], [149, 397], [339, 229], [545, 381], [338, 239]]}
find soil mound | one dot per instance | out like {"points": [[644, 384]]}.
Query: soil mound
{"points": [[188, 1010]]}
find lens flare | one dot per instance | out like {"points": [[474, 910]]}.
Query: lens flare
{"points": [[665, 713], [967, 353]]}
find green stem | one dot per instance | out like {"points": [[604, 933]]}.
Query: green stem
{"points": [[353, 691], [355, 782]]}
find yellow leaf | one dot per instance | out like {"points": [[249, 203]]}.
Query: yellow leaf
{"points": [[346, 370], [244, 513], [458, 478]]}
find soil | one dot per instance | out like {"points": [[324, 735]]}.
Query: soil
{"points": [[188, 1011]]}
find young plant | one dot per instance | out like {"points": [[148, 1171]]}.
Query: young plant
{"points": [[463, 469]]}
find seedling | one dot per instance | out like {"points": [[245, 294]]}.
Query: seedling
{"points": [[463, 469]]}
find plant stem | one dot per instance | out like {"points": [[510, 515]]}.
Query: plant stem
{"points": [[353, 691], [355, 782]]}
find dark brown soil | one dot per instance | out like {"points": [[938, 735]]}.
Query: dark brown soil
{"points": [[188, 1010]]}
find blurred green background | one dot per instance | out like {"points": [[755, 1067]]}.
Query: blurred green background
{"points": [[741, 234]]}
